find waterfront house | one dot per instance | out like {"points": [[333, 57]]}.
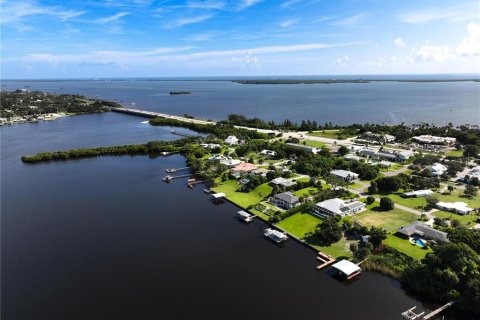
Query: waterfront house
{"points": [[456, 207], [285, 200], [418, 229], [345, 175], [337, 207], [428, 139], [417, 193], [283, 182], [232, 140], [437, 169]]}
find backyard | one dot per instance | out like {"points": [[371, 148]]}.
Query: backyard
{"points": [[388, 220]]}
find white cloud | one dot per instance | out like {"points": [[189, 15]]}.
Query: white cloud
{"points": [[199, 37], [351, 21], [289, 3], [248, 60], [324, 18], [343, 61], [289, 23], [113, 18], [470, 45], [399, 43], [429, 52], [244, 4], [456, 13], [14, 12], [187, 20], [205, 4]]}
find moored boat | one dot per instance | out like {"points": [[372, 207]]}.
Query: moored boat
{"points": [[275, 235]]}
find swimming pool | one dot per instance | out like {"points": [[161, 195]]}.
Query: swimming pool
{"points": [[420, 243]]}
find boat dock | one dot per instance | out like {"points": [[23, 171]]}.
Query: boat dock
{"points": [[169, 178], [177, 169], [245, 216], [325, 260], [275, 235], [410, 314]]}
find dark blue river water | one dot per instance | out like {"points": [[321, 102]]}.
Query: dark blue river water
{"points": [[105, 238], [347, 103]]}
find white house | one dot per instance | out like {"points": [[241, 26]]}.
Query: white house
{"points": [[268, 153], [436, 169], [348, 176], [417, 193], [285, 200], [338, 207], [428, 139], [283, 182], [232, 140], [457, 207]]}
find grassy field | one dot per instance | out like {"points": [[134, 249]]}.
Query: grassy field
{"points": [[242, 199], [304, 191], [331, 134], [406, 247], [465, 219], [313, 143], [419, 203], [301, 224], [388, 220], [414, 203], [457, 196], [455, 153], [355, 185]]}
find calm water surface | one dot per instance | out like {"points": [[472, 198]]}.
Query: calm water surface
{"points": [[375, 102], [105, 238]]}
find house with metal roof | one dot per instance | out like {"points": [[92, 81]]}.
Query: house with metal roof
{"points": [[333, 207], [417, 193], [346, 175]]}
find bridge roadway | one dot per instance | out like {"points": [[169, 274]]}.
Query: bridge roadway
{"points": [[285, 134]]}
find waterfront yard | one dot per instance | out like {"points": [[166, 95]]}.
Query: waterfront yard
{"points": [[406, 247], [243, 199], [302, 225], [388, 220]]}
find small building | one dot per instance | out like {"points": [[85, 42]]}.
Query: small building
{"points": [[333, 207], [417, 193], [345, 175], [285, 200], [422, 230], [376, 138], [232, 140], [283, 182], [347, 268], [260, 171], [268, 153], [387, 154], [311, 149], [210, 145], [352, 157], [456, 207], [437, 169], [428, 139], [384, 164], [243, 168], [472, 174]]}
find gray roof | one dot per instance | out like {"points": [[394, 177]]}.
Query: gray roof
{"points": [[287, 196], [423, 230]]}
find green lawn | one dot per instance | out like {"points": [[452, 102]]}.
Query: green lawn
{"points": [[406, 247], [356, 185], [331, 134], [388, 220], [414, 203], [313, 143], [455, 153], [305, 192], [301, 224], [465, 219], [456, 196], [242, 199]]}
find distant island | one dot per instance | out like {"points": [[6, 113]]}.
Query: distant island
{"points": [[22, 105], [332, 81], [172, 93]]}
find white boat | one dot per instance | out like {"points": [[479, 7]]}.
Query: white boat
{"points": [[275, 235], [245, 216]]}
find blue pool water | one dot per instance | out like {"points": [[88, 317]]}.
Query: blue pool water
{"points": [[420, 243]]}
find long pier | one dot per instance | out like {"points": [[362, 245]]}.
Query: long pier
{"points": [[410, 314]]}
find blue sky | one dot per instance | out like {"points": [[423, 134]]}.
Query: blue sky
{"points": [[108, 38]]}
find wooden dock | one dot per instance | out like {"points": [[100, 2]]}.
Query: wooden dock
{"points": [[325, 260], [169, 178], [410, 314]]}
